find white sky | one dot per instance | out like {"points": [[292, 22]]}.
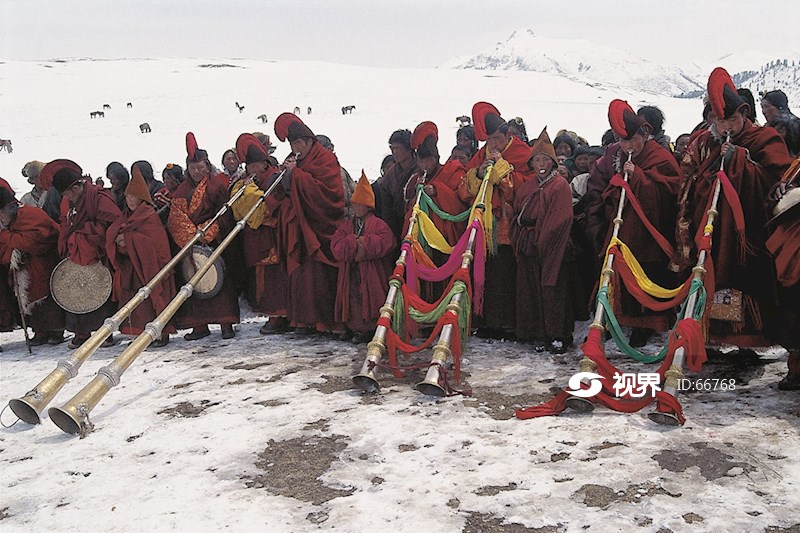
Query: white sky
{"points": [[400, 33]]}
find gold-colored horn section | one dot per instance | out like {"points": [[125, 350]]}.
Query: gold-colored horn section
{"points": [[29, 407], [73, 416]]}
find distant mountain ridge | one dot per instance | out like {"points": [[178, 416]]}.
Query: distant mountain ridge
{"points": [[583, 60]]}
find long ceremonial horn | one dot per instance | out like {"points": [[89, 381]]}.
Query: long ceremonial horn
{"points": [[441, 351], [366, 380], [73, 416], [675, 372], [29, 407], [583, 405]]}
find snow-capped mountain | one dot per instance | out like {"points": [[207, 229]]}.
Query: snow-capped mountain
{"points": [[582, 60], [783, 74]]}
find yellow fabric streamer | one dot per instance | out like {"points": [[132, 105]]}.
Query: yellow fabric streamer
{"points": [[431, 232], [645, 283], [474, 185], [245, 202]]}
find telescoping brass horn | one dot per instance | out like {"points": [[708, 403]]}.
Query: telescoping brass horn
{"points": [[29, 407], [366, 379], [73, 416]]}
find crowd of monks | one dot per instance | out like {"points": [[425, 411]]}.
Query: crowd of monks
{"points": [[316, 254]]}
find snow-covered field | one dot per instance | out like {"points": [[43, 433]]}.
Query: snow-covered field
{"points": [[266, 434]]}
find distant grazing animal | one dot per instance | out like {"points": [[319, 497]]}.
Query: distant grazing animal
{"points": [[297, 111], [130, 105], [308, 111], [464, 120], [5, 144], [348, 109], [241, 107], [106, 106], [144, 127], [262, 118], [97, 114]]}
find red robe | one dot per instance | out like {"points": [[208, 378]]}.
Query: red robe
{"points": [[83, 240], [545, 269], [35, 235], [362, 285], [757, 163], [314, 212], [656, 181], [191, 207], [145, 253]]}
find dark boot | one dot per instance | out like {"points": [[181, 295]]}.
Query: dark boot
{"points": [[792, 379], [227, 331], [275, 325], [197, 333], [640, 336]]}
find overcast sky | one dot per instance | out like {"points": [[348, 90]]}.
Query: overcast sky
{"points": [[400, 33]]}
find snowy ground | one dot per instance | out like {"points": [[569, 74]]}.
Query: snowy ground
{"points": [[267, 434]]}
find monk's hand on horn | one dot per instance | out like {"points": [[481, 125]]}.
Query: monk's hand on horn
{"points": [[628, 168]]}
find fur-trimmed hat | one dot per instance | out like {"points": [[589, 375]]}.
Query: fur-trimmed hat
{"points": [[542, 145], [289, 126], [137, 186], [61, 173], [424, 139], [486, 119], [363, 194], [31, 170], [722, 95], [624, 122], [193, 153], [250, 150]]}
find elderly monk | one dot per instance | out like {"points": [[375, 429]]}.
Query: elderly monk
{"points": [[138, 248], [363, 247], [314, 211], [86, 213], [195, 202]]}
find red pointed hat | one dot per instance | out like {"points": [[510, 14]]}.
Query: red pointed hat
{"points": [[424, 139], [486, 119], [722, 95], [624, 121], [60, 172], [193, 153], [250, 150], [289, 126]]}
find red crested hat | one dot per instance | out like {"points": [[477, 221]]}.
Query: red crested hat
{"points": [[250, 150], [60, 173], [722, 95], [289, 126], [486, 119], [193, 153], [624, 122], [424, 139]]}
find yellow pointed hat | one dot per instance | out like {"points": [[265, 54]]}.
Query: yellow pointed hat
{"points": [[363, 194]]}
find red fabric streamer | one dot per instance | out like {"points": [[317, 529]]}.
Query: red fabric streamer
{"points": [[662, 242]]}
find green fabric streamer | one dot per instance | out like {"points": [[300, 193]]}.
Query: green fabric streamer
{"points": [[427, 204], [464, 312]]}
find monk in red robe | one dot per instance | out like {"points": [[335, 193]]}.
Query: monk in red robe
{"points": [[754, 160], [29, 248], [138, 248], [314, 212], [545, 261], [509, 157], [391, 184], [363, 247], [8, 303], [195, 202], [784, 245], [267, 288], [655, 178], [86, 213]]}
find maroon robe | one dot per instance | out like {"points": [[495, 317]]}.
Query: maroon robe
{"points": [[545, 266], [35, 235], [191, 207], [83, 240], [445, 181], [655, 182], [145, 253], [499, 307], [757, 163], [362, 285], [311, 217]]}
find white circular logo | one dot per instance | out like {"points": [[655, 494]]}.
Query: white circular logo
{"points": [[594, 388]]}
